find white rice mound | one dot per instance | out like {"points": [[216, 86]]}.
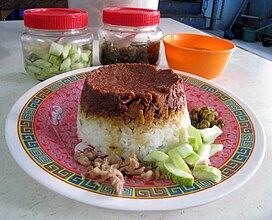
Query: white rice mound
{"points": [[115, 135]]}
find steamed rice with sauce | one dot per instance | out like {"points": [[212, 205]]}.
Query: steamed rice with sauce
{"points": [[105, 134], [132, 107]]}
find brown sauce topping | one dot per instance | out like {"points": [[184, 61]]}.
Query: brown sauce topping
{"points": [[132, 90]]}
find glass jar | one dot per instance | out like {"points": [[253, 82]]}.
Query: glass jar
{"points": [[56, 40], [130, 35]]}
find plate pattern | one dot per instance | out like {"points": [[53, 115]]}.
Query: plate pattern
{"points": [[47, 131]]}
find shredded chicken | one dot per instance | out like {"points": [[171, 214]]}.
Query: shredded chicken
{"points": [[115, 169], [147, 176], [97, 162], [82, 159]]}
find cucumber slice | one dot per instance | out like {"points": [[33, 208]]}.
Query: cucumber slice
{"points": [[66, 49], [62, 57], [204, 153], [155, 156], [210, 134], [30, 72], [74, 49], [55, 60], [215, 148], [27, 61], [56, 49], [65, 70], [51, 70], [185, 150], [193, 142], [33, 69], [177, 175], [192, 159], [188, 154], [42, 54], [65, 65], [33, 57], [48, 72], [42, 76], [207, 173], [183, 136], [160, 164], [193, 132], [178, 161], [75, 66], [84, 57], [41, 63], [75, 58]]}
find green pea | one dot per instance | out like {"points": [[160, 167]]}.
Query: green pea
{"points": [[194, 110], [194, 123], [205, 122], [205, 117], [213, 122], [202, 126], [212, 109], [209, 117], [221, 122], [195, 116], [205, 108], [205, 113]]}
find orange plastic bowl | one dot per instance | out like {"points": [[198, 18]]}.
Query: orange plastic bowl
{"points": [[201, 55]]}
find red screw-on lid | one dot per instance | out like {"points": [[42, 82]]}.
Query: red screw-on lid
{"points": [[55, 18], [131, 16]]}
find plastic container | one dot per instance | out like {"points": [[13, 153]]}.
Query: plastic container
{"points": [[201, 55], [55, 40], [130, 35], [249, 34], [95, 8]]}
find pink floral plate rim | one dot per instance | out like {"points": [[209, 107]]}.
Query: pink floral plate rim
{"points": [[245, 133]]}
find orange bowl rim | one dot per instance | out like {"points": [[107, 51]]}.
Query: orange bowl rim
{"points": [[193, 49]]}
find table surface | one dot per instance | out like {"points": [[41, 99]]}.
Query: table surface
{"points": [[247, 75]]}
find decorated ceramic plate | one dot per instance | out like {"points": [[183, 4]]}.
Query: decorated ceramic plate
{"points": [[41, 134]]}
